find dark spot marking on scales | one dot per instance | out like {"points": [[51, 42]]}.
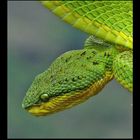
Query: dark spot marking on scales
{"points": [[95, 63], [59, 70], [60, 82], [78, 57], [82, 65], [66, 80], [94, 52], [106, 54], [73, 79], [67, 59], [79, 77], [89, 57], [61, 57], [83, 53]]}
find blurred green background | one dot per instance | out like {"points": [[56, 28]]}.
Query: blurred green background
{"points": [[36, 38]]}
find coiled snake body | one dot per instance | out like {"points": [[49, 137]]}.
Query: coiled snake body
{"points": [[79, 74]]}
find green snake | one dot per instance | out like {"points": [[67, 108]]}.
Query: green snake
{"points": [[77, 75]]}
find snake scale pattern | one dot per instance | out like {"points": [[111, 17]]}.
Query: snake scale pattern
{"points": [[77, 75]]}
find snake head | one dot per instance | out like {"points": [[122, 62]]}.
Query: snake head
{"points": [[70, 80]]}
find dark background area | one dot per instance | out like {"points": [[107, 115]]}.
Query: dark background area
{"points": [[36, 37]]}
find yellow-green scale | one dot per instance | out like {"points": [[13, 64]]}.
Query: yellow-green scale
{"points": [[109, 20]]}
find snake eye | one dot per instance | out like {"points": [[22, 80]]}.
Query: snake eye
{"points": [[44, 97]]}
